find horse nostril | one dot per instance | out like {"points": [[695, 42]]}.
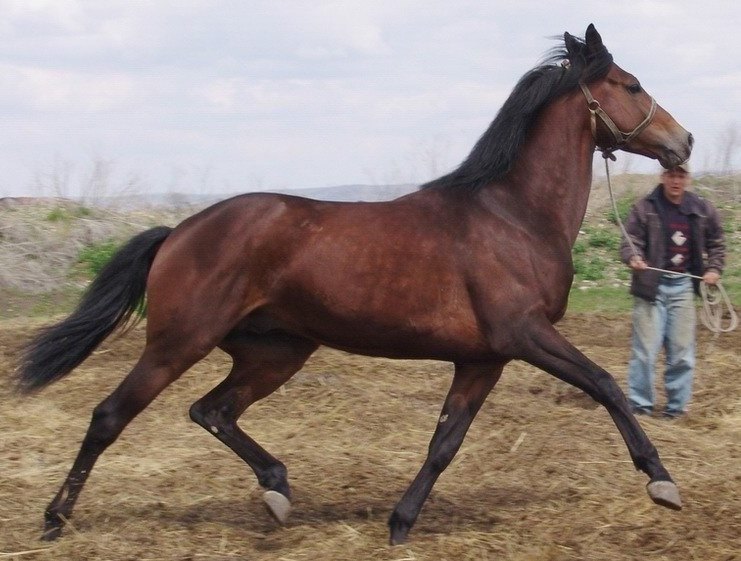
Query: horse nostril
{"points": [[690, 139]]}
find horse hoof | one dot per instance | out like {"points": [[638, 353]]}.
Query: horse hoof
{"points": [[399, 531], [397, 540], [51, 535], [53, 524], [279, 507], [665, 493], [399, 536]]}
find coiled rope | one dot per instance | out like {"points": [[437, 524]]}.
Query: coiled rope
{"points": [[715, 301]]}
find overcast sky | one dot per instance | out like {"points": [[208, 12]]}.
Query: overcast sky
{"points": [[230, 96]]}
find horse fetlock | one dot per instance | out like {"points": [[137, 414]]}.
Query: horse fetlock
{"points": [[275, 478]]}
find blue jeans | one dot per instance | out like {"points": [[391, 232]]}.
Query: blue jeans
{"points": [[669, 322]]}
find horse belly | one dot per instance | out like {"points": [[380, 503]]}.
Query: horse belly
{"points": [[378, 322]]}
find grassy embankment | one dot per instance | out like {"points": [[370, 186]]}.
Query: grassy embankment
{"points": [[50, 249]]}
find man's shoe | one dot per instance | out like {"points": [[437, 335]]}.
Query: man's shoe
{"points": [[642, 411], [673, 415]]}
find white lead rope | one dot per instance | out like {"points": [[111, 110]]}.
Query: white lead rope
{"points": [[715, 300]]}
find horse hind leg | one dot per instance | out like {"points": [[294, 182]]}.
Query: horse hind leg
{"points": [[261, 365], [153, 373]]}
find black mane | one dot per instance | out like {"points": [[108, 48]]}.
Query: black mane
{"points": [[495, 152]]}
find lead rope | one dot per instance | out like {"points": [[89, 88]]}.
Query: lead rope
{"points": [[715, 300]]}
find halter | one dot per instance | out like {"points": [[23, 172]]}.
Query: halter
{"points": [[619, 137]]}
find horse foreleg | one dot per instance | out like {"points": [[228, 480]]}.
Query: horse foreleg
{"points": [[471, 385], [549, 350], [261, 365]]}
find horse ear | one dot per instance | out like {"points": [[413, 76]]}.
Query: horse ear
{"points": [[593, 40], [572, 45]]}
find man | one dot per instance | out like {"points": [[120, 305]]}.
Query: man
{"points": [[675, 230]]}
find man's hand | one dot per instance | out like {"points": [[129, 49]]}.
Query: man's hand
{"points": [[637, 263], [711, 277]]}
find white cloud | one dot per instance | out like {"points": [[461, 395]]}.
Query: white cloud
{"points": [[309, 94], [45, 89]]}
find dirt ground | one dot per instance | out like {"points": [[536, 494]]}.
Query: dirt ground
{"points": [[542, 475]]}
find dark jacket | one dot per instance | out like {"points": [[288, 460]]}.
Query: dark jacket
{"points": [[645, 228]]}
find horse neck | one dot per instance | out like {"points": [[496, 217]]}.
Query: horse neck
{"points": [[553, 174]]}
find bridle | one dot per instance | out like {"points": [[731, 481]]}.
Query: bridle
{"points": [[619, 138]]}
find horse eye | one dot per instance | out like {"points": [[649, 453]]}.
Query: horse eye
{"points": [[635, 88]]}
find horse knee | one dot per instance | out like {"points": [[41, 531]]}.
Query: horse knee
{"points": [[441, 456], [608, 390]]}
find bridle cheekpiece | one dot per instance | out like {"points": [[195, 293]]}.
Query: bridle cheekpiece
{"points": [[619, 138]]}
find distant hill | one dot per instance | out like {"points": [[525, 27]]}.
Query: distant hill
{"points": [[344, 193], [351, 193]]}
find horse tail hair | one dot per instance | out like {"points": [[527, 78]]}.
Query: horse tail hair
{"points": [[117, 293]]}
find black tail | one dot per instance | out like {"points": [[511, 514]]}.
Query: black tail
{"points": [[115, 294]]}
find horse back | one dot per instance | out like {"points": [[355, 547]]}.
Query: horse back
{"points": [[345, 274], [403, 278]]}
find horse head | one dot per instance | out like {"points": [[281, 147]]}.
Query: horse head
{"points": [[617, 102]]}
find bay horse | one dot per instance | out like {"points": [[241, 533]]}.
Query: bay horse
{"points": [[474, 268]]}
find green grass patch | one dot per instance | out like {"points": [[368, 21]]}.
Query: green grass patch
{"points": [[623, 204], [67, 214], [603, 299], [589, 268], [94, 257], [607, 238]]}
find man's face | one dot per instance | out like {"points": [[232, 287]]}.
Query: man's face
{"points": [[675, 183]]}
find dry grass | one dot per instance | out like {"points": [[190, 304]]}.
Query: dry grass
{"points": [[40, 241], [543, 474]]}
